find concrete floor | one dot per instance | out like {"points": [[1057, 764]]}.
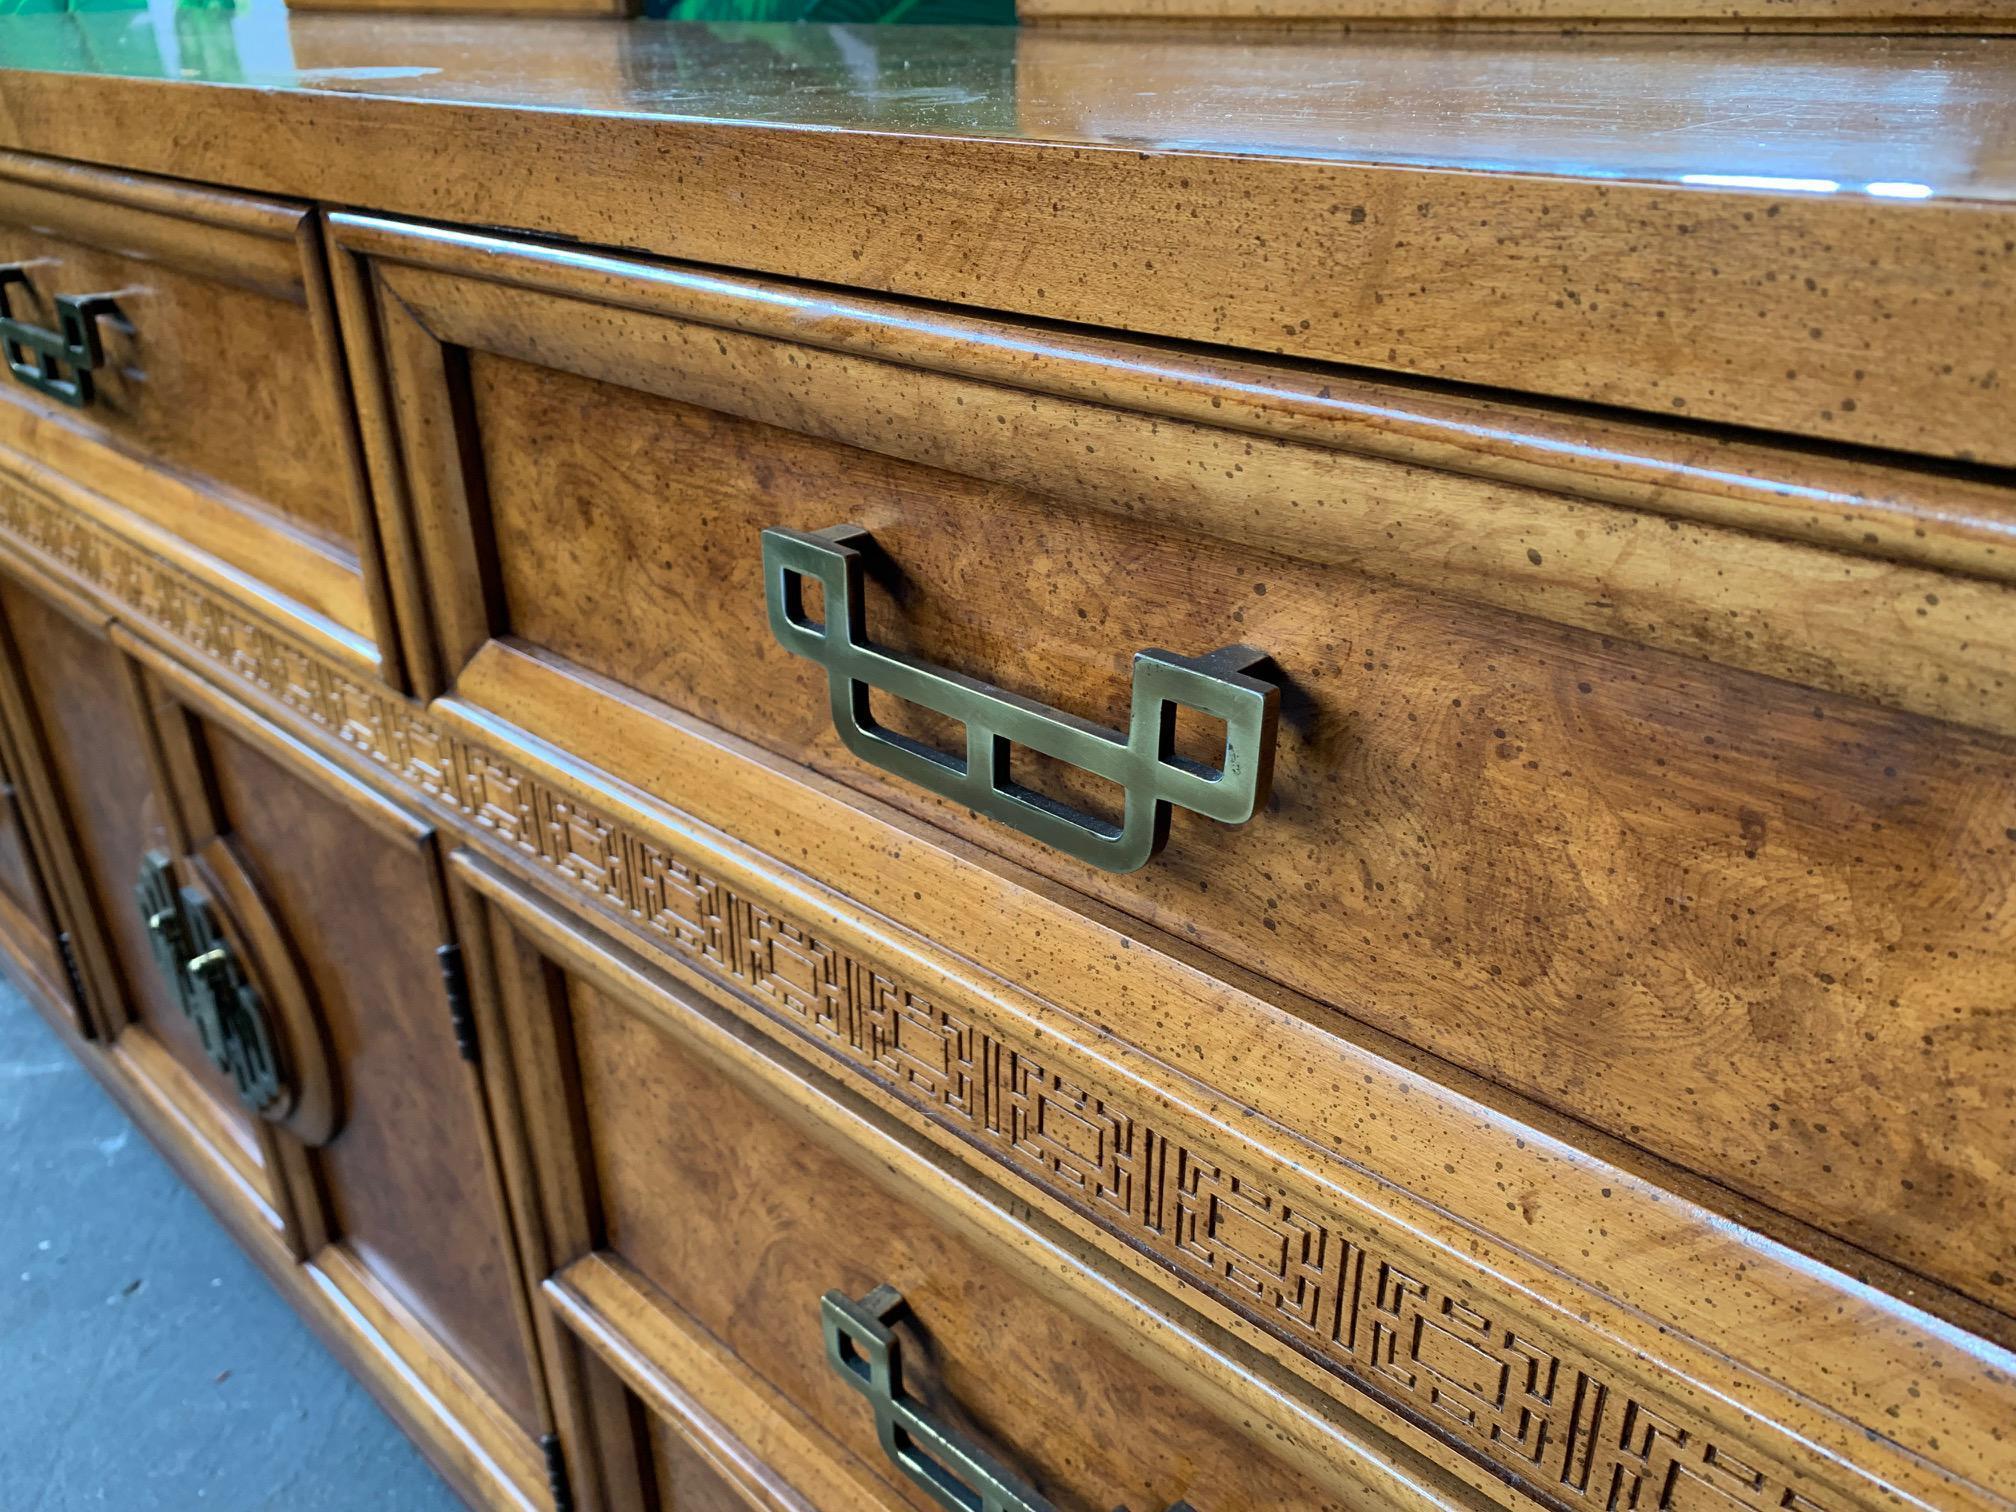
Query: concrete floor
{"points": [[145, 1364]]}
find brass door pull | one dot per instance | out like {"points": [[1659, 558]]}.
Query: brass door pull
{"points": [[1141, 761], [958, 1475], [58, 363], [211, 986]]}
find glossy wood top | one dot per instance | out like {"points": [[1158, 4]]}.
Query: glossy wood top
{"points": [[1810, 234], [1897, 117]]}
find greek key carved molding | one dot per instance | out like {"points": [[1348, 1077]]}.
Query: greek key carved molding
{"points": [[1375, 1311]]}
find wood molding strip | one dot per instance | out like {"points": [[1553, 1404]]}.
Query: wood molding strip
{"points": [[258, 543], [1869, 507], [174, 222], [691, 1383]]}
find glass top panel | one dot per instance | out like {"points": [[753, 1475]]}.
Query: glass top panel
{"points": [[1896, 118]]}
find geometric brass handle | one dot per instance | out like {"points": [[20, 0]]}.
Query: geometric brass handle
{"points": [[958, 1475], [1141, 761], [59, 362], [211, 986]]}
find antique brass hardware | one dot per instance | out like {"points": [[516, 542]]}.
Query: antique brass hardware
{"points": [[1142, 761], [210, 984], [167, 928], [956, 1474], [58, 363]]}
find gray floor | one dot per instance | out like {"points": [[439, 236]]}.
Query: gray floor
{"points": [[145, 1364]]}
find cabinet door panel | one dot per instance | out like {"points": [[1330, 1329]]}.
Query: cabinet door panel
{"points": [[33, 939], [407, 1184], [77, 690]]}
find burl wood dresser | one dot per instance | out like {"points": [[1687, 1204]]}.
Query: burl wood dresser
{"points": [[843, 769]]}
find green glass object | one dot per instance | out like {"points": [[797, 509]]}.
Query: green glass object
{"points": [[840, 12], [1142, 762]]}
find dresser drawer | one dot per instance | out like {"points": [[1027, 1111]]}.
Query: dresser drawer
{"points": [[713, 1214], [1692, 832], [173, 350]]}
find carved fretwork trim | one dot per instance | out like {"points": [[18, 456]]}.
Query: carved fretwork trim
{"points": [[1373, 1309]]}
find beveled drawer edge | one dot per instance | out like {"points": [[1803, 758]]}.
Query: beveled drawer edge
{"points": [[1897, 633], [1869, 507], [216, 533], [427, 764], [265, 237], [585, 1296]]}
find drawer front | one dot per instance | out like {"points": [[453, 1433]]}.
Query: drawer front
{"points": [[699, 1197], [1679, 849], [211, 402]]}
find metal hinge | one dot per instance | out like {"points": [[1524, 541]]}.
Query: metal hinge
{"points": [[455, 982], [556, 1473], [71, 969]]}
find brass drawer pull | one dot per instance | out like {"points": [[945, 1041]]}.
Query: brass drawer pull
{"points": [[59, 362], [957, 1475], [1142, 761], [210, 985]]}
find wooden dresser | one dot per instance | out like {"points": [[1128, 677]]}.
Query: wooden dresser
{"points": [[860, 769]]}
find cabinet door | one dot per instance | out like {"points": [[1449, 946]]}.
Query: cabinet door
{"points": [[33, 944], [269, 948], [390, 1166], [74, 700]]}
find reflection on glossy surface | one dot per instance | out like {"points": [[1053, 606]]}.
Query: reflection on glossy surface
{"points": [[1893, 118]]}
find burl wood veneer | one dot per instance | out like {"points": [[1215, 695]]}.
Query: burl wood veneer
{"points": [[1584, 1083]]}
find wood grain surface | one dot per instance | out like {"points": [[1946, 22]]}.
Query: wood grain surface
{"points": [[1808, 1348], [1694, 271], [1652, 892], [1583, 1086]]}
